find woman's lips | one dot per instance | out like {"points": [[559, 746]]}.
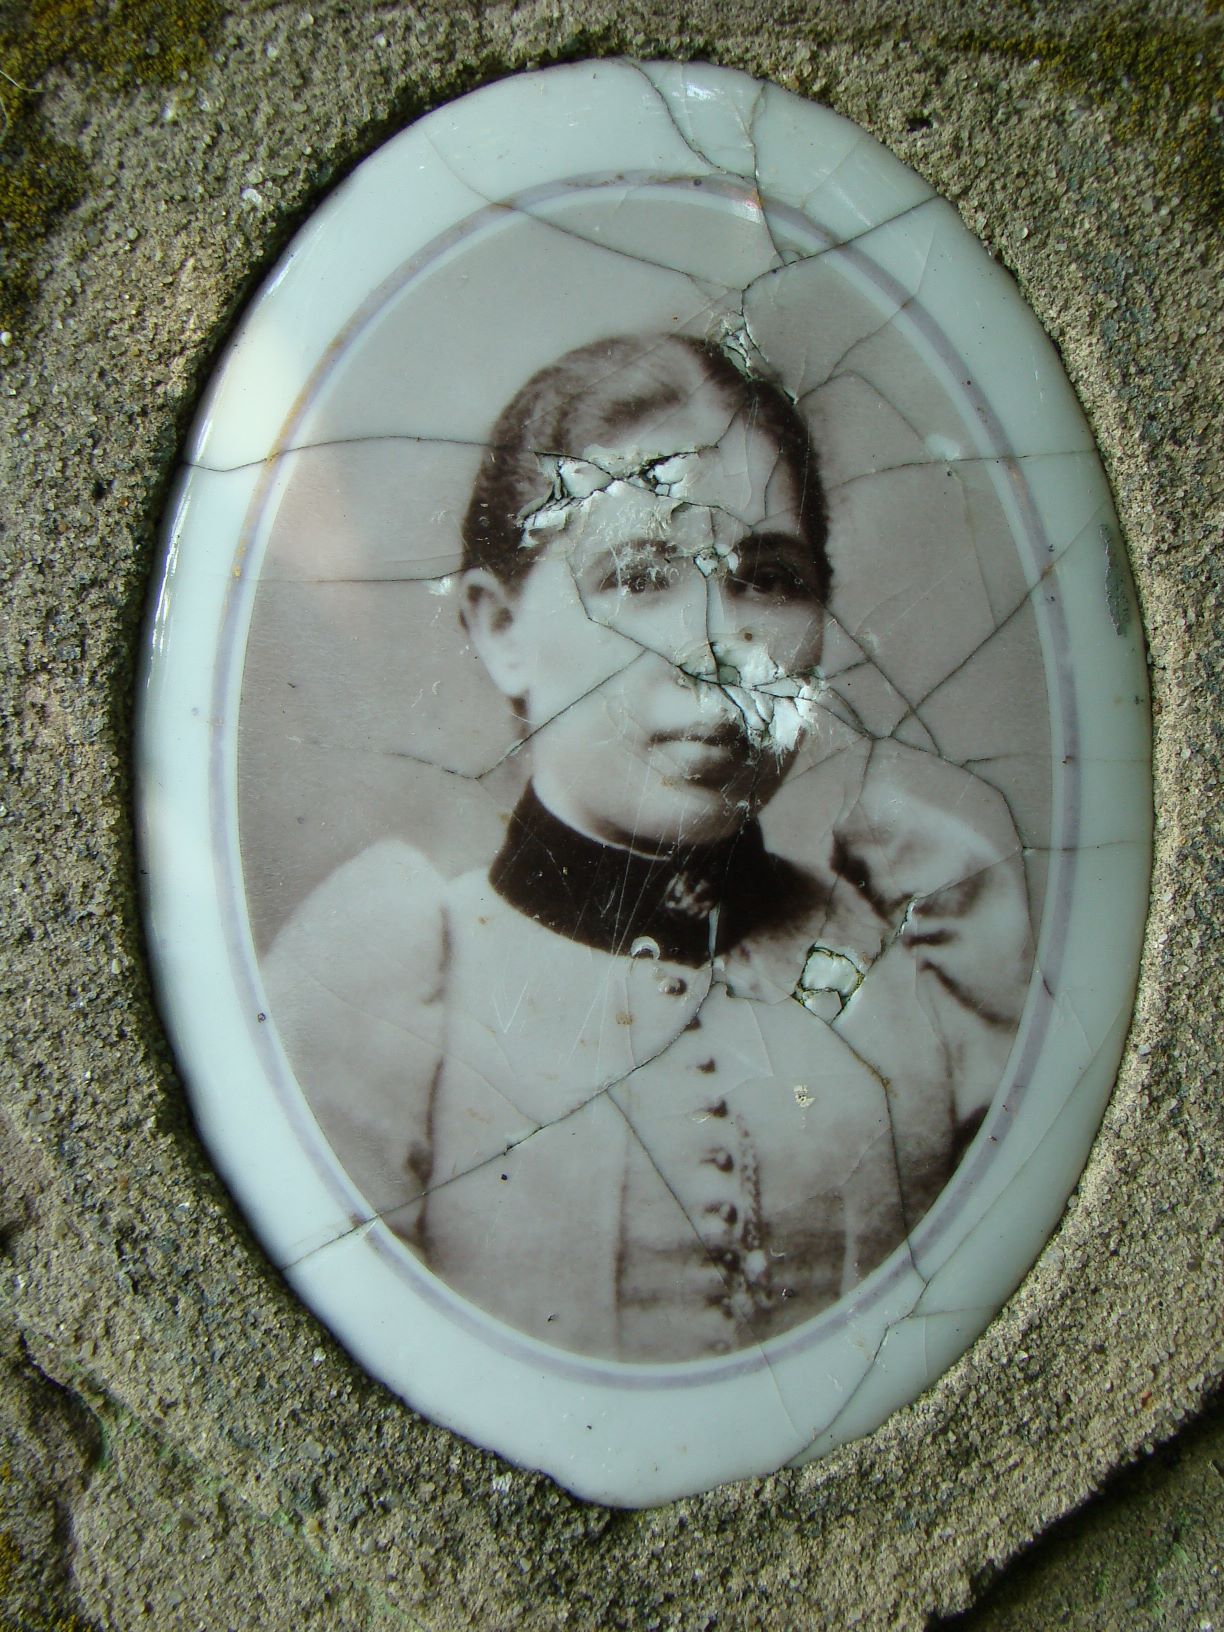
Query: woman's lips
{"points": [[708, 754]]}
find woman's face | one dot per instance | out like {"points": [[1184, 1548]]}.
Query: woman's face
{"points": [[665, 643]]}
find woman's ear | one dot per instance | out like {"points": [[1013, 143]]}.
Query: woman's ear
{"points": [[487, 609]]}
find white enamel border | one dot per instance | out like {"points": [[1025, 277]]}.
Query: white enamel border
{"points": [[632, 1435]]}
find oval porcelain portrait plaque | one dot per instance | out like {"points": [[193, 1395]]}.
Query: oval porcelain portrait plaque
{"points": [[644, 776]]}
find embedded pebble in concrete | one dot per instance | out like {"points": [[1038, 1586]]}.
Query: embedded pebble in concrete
{"points": [[644, 776]]}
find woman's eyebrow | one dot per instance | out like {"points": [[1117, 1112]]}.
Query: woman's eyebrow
{"points": [[781, 541]]}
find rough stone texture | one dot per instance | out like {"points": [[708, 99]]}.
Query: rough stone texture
{"points": [[1145, 1555], [185, 1447]]}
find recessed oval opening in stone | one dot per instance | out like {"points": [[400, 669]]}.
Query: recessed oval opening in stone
{"points": [[644, 776]]}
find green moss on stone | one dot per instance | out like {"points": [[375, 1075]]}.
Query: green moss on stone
{"points": [[1158, 84], [10, 1559], [122, 43]]}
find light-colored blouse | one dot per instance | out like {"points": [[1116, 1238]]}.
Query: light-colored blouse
{"points": [[650, 1158]]}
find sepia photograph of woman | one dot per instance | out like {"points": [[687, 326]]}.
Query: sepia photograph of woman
{"points": [[643, 1088]]}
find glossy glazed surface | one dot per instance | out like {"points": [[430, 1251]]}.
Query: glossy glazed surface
{"points": [[651, 982]]}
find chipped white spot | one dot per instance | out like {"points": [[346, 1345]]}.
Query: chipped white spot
{"points": [[741, 350], [672, 475], [717, 558], [776, 708], [579, 478], [827, 972], [943, 447]]}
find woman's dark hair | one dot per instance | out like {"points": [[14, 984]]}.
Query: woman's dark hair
{"points": [[590, 398]]}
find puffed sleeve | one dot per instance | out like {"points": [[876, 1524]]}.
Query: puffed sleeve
{"points": [[355, 987], [933, 850]]}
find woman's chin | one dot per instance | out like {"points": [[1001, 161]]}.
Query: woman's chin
{"points": [[685, 813], [656, 812]]}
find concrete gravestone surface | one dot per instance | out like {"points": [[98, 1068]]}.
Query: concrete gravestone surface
{"points": [[283, 1485]]}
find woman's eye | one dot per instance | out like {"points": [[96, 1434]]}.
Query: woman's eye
{"points": [[769, 580], [636, 575], [647, 578]]}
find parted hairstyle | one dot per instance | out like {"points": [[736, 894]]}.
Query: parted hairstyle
{"points": [[594, 395]]}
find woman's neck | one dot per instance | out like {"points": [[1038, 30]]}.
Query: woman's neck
{"points": [[620, 899]]}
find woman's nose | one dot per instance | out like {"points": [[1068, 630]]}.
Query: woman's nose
{"points": [[727, 631], [696, 624], [677, 624], [701, 630]]}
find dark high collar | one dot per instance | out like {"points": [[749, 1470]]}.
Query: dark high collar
{"points": [[611, 899]]}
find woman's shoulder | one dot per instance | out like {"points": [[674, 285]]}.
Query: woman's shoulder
{"points": [[921, 803], [375, 925], [355, 987], [905, 823], [909, 839]]}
